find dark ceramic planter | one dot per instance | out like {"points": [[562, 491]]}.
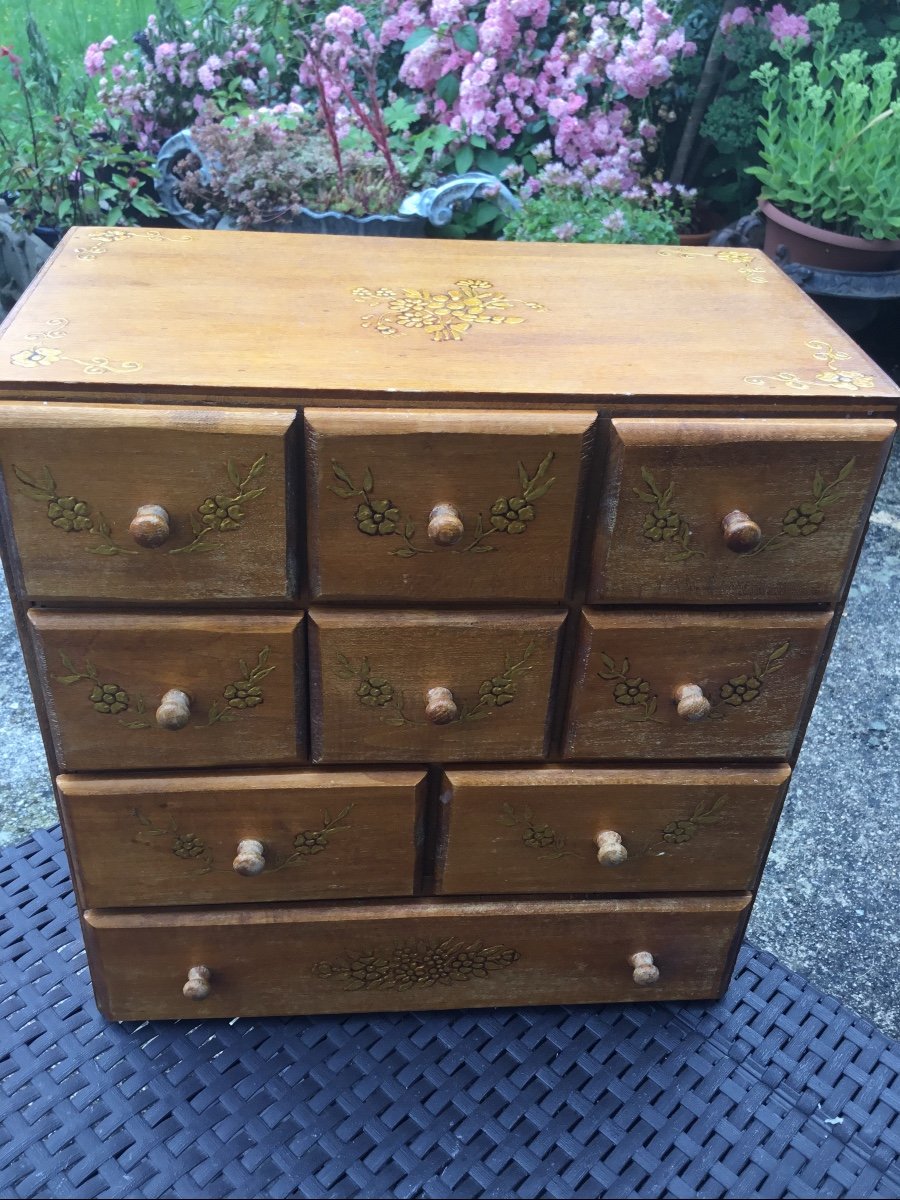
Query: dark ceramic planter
{"points": [[821, 248]]}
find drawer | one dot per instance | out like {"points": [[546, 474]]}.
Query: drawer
{"points": [[425, 954], [389, 686], [182, 839], [743, 681], [109, 680], [797, 493], [613, 830], [442, 505], [128, 502]]}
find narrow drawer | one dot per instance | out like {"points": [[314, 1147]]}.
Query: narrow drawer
{"points": [[614, 830], [390, 686], [233, 838], [434, 506], [798, 492], [146, 503], [692, 685], [109, 679], [420, 955]]}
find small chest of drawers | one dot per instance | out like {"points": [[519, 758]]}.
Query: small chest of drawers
{"points": [[416, 624]]}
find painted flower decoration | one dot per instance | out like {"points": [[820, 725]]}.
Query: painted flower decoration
{"points": [[243, 695], [661, 525], [311, 841], [221, 514], [740, 690], [375, 692], [109, 698], [70, 514], [497, 691], [632, 691], [511, 516], [36, 356], [847, 380], [802, 520], [377, 517], [677, 832], [185, 845]]}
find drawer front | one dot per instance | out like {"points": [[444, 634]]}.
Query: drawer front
{"points": [[127, 502], [442, 505], [389, 686], [282, 960], [800, 492], [108, 681], [230, 838], [742, 681], [580, 830]]}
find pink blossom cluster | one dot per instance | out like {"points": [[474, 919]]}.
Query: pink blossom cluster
{"points": [[782, 24], [162, 87], [528, 64]]}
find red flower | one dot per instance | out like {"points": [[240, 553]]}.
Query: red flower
{"points": [[15, 60]]}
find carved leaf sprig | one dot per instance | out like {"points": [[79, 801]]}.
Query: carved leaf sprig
{"points": [[221, 513], [679, 832], [807, 517], [107, 698], [374, 691], [536, 835], [183, 845], [69, 513], [513, 514], [500, 689], [663, 525], [631, 692], [244, 692], [745, 688], [316, 841]]}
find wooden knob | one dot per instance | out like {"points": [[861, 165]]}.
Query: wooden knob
{"points": [[197, 986], [250, 859], [174, 710], [150, 526], [741, 532], [445, 526], [645, 972], [440, 707], [610, 851], [692, 704]]}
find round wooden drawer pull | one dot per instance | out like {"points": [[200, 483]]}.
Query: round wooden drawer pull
{"points": [[610, 851], [174, 710], [691, 703], [440, 707], [197, 986], [150, 526], [250, 859], [445, 526], [645, 972], [741, 532]]}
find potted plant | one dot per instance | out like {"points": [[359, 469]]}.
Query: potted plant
{"points": [[565, 213], [830, 135]]}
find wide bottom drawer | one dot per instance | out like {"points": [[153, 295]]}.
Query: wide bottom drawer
{"points": [[416, 955]]}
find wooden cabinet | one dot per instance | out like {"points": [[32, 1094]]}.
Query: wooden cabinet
{"points": [[422, 624]]}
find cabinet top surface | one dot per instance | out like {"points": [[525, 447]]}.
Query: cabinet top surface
{"points": [[127, 312]]}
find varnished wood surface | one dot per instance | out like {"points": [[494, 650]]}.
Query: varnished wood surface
{"points": [[420, 955], [371, 672], [374, 477], [208, 657], [647, 656], [668, 484], [277, 313], [228, 535], [171, 840], [683, 829]]}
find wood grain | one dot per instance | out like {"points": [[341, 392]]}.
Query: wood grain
{"points": [[771, 470], [647, 656], [420, 955], [683, 830], [301, 331], [478, 463], [146, 655], [371, 671], [114, 459], [161, 840]]}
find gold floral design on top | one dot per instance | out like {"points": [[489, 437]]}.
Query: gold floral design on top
{"points": [[377, 516], [662, 524], [535, 834], [446, 315], [747, 263], [376, 692], [40, 355], [631, 693], [417, 964], [101, 240], [834, 377], [802, 520]]}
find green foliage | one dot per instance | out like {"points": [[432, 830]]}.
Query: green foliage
{"points": [[830, 134], [564, 214]]}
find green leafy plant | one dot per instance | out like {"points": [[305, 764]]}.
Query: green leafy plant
{"points": [[566, 214], [830, 134]]}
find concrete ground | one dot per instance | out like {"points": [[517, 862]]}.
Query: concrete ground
{"points": [[830, 896]]}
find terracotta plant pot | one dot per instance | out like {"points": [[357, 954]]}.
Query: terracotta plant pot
{"points": [[821, 248], [695, 239]]}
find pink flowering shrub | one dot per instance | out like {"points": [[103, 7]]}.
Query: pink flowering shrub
{"points": [[777, 21]]}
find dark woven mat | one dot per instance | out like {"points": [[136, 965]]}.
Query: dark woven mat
{"points": [[775, 1091]]}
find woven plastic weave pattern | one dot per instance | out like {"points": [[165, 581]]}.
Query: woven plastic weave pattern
{"points": [[776, 1091]]}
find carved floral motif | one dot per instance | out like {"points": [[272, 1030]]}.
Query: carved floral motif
{"points": [[663, 525], [833, 376], [102, 240], [536, 835], [417, 964], [40, 355]]}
